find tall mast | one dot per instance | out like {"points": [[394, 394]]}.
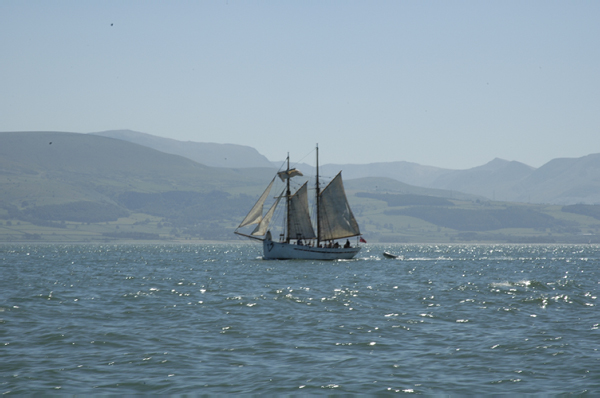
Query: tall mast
{"points": [[287, 201], [318, 191]]}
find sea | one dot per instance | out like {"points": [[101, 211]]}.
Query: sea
{"points": [[216, 319]]}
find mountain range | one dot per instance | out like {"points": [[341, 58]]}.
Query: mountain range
{"points": [[59, 186], [211, 154], [561, 181]]}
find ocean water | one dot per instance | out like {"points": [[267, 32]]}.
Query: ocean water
{"points": [[216, 319]]}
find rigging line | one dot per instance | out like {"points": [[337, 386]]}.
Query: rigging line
{"points": [[305, 156], [282, 167]]}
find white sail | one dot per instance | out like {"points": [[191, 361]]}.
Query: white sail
{"points": [[263, 226], [255, 215], [336, 220], [300, 226]]}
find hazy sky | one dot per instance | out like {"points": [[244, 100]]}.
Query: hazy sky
{"points": [[452, 84]]}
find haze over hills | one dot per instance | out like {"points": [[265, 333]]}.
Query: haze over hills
{"points": [[72, 158], [210, 154], [239, 156], [70, 186], [580, 178], [497, 180], [560, 181], [59, 167], [49, 178], [389, 185], [406, 172]]}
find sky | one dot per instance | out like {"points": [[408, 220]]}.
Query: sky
{"points": [[451, 84]]}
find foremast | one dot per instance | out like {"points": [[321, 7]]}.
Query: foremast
{"points": [[288, 194], [317, 199]]}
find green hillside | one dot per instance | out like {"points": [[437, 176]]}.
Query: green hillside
{"points": [[66, 187], [404, 218], [84, 162], [52, 179]]}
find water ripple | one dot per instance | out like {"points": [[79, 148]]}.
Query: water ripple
{"points": [[215, 319]]}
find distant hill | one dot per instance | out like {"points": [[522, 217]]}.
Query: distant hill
{"points": [[57, 186], [560, 181], [497, 180], [85, 161], [389, 185], [48, 177], [210, 154], [406, 172], [563, 181]]}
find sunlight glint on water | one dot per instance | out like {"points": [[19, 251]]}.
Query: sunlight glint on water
{"points": [[216, 319]]}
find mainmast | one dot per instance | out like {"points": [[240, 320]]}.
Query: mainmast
{"points": [[288, 193], [318, 191]]}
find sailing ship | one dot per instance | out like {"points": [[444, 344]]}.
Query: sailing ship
{"points": [[333, 219]]}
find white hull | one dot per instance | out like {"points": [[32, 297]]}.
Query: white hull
{"points": [[288, 251]]}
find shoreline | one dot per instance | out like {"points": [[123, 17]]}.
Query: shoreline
{"points": [[251, 243]]}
